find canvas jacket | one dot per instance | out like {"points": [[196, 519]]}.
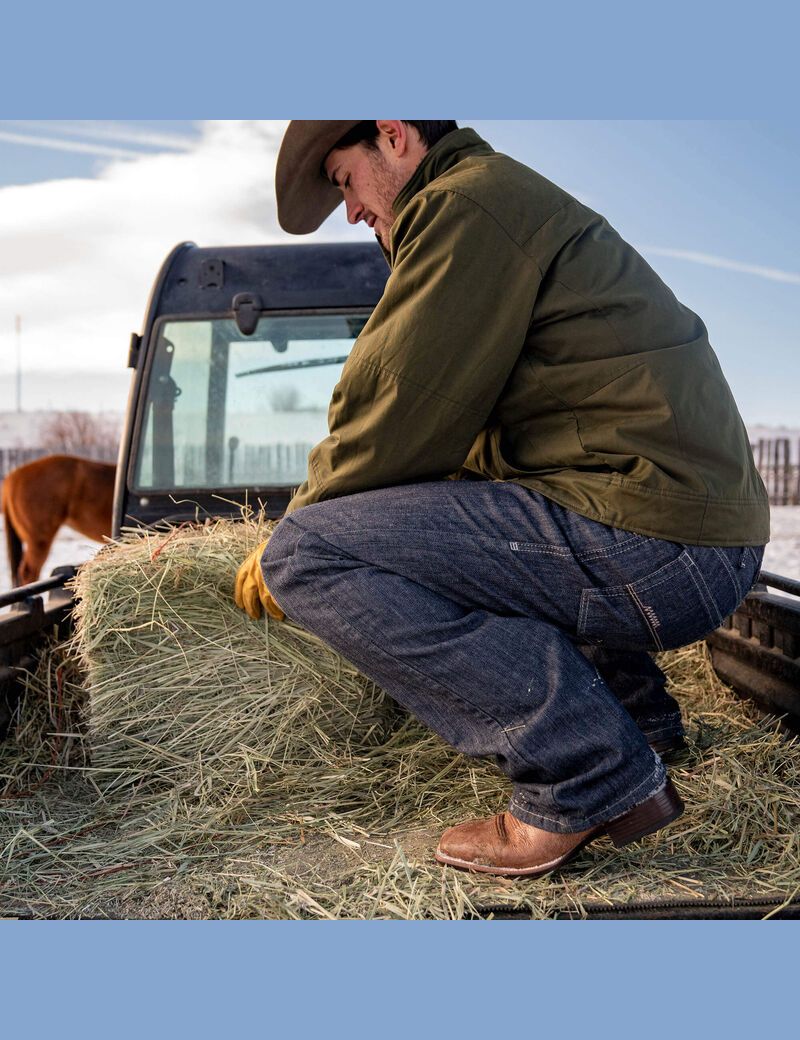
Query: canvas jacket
{"points": [[520, 338]]}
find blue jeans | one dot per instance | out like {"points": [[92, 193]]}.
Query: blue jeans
{"points": [[513, 627]]}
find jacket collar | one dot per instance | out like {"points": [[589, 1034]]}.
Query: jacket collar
{"points": [[451, 149]]}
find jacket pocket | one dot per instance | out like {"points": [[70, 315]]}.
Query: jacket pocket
{"points": [[669, 608]]}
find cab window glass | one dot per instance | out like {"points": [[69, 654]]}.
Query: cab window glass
{"points": [[228, 410]]}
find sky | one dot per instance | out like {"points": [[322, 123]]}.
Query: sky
{"points": [[89, 210]]}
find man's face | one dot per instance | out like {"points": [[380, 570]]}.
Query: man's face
{"points": [[369, 183]]}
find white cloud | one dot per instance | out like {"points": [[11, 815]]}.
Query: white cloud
{"points": [[55, 144], [78, 256], [775, 274], [105, 131]]}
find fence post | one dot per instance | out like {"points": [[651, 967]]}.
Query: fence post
{"points": [[796, 500], [785, 470]]}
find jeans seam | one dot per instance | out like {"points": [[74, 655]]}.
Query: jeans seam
{"points": [[614, 550], [729, 569], [568, 552], [706, 596]]}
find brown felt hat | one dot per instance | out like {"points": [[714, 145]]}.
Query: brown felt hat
{"points": [[305, 196]]}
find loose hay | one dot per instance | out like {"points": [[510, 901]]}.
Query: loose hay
{"points": [[221, 767]]}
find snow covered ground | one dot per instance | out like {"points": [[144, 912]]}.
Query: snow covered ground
{"points": [[782, 555]]}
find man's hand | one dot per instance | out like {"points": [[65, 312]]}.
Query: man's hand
{"points": [[251, 590]]}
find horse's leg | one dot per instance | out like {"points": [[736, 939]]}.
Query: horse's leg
{"points": [[13, 540], [33, 558], [36, 517]]}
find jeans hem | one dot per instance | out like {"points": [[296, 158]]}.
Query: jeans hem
{"points": [[652, 784]]}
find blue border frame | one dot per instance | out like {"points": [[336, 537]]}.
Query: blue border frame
{"points": [[619, 59]]}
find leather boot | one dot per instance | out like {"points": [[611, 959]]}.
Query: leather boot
{"points": [[507, 846]]}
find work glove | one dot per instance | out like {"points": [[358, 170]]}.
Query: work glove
{"points": [[251, 590]]}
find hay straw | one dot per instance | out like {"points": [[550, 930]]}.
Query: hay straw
{"points": [[198, 764]]}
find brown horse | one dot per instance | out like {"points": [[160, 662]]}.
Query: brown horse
{"points": [[40, 496]]}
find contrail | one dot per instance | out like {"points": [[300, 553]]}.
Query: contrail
{"points": [[56, 144], [104, 131], [773, 273]]}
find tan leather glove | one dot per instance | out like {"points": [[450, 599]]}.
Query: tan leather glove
{"points": [[251, 590]]}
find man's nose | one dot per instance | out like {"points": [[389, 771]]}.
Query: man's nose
{"points": [[355, 211]]}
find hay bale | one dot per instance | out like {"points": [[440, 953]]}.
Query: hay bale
{"points": [[186, 692]]}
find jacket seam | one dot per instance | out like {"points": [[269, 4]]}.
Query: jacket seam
{"points": [[613, 379], [631, 486], [634, 488], [315, 467], [553, 215], [595, 308], [493, 218]]}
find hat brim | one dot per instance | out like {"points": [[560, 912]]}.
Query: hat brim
{"points": [[305, 197]]}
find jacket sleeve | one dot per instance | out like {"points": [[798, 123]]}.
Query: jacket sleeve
{"points": [[434, 356]]}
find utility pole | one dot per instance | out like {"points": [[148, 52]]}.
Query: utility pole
{"points": [[18, 328]]}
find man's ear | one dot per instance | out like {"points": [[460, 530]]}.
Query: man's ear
{"points": [[394, 134]]}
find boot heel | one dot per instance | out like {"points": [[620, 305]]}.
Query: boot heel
{"points": [[659, 810]]}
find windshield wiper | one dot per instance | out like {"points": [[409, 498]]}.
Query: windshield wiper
{"points": [[312, 363]]}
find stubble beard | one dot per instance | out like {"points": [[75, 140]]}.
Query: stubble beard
{"points": [[388, 182]]}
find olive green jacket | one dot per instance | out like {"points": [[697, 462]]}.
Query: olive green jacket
{"points": [[520, 338]]}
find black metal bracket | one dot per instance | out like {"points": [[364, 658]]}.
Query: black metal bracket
{"points": [[247, 310], [212, 274], [133, 350]]}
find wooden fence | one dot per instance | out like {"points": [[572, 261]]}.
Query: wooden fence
{"points": [[779, 469], [255, 464], [10, 458]]}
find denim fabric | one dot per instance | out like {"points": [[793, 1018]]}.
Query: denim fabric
{"points": [[513, 627]]}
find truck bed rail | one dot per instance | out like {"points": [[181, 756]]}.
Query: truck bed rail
{"points": [[757, 649]]}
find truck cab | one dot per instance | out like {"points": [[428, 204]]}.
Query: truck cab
{"points": [[241, 350]]}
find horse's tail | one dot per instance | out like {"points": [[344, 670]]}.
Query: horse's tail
{"points": [[13, 540]]}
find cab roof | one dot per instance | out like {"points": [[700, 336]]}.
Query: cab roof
{"points": [[205, 281]]}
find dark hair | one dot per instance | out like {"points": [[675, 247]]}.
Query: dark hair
{"points": [[366, 132]]}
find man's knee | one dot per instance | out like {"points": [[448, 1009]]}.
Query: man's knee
{"points": [[281, 557], [293, 556]]}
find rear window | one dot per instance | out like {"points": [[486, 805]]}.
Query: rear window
{"points": [[227, 410]]}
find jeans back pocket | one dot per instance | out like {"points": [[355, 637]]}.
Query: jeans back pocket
{"points": [[668, 608]]}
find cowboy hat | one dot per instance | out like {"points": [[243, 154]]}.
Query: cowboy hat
{"points": [[304, 195]]}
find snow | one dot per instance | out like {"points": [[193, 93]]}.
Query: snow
{"points": [[782, 554]]}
